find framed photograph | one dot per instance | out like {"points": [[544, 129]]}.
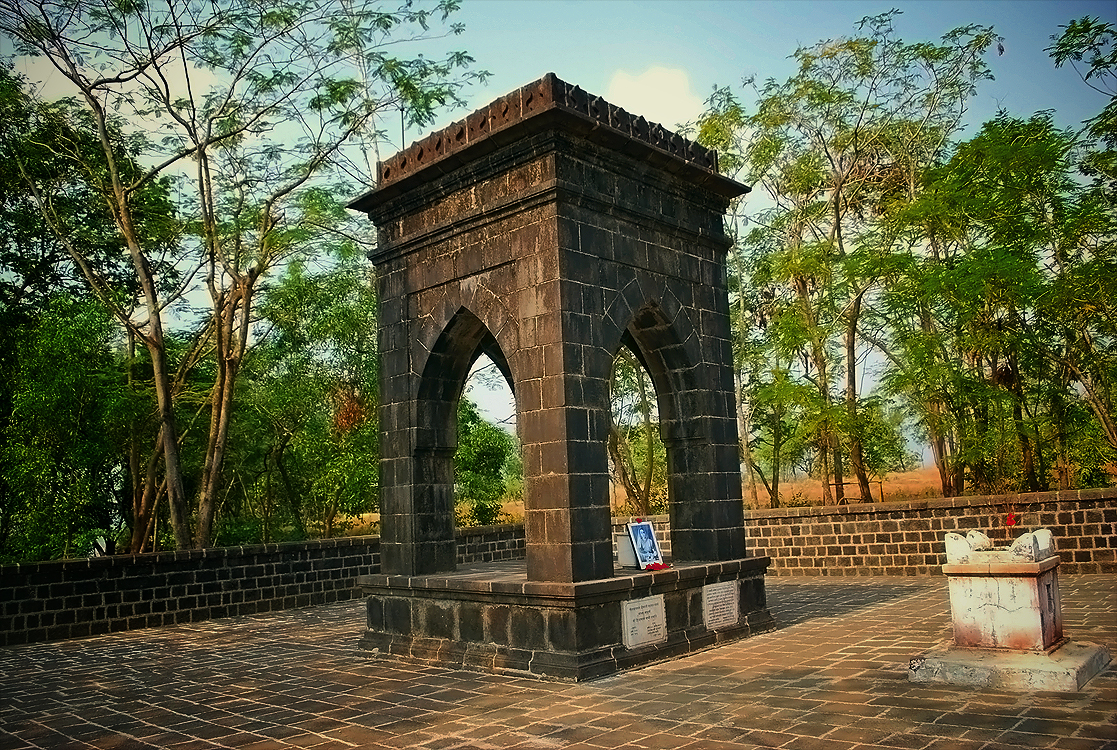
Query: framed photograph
{"points": [[644, 544]]}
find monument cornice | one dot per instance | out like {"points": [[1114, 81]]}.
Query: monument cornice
{"points": [[547, 103]]}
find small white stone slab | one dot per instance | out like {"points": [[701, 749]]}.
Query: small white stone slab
{"points": [[720, 604], [644, 621], [978, 540], [957, 549]]}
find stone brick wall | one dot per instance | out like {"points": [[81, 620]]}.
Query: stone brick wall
{"points": [[490, 543], [75, 598], [906, 538]]}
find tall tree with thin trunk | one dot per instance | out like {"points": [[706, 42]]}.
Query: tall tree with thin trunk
{"points": [[254, 109], [836, 147]]}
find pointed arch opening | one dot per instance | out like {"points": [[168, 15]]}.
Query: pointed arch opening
{"points": [[460, 457], [488, 462], [677, 412], [637, 456]]}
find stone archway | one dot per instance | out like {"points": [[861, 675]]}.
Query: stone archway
{"points": [[547, 230]]}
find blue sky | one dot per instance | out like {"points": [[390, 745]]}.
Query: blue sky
{"points": [[661, 58]]}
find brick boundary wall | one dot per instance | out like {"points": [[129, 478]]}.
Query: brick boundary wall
{"points": [[906, 538], [75, 598], [62, 599]]}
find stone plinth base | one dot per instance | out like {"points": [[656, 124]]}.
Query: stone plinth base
{"points": [[1064, 669], [491, 618]]}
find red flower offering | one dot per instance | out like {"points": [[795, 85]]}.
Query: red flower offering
{"points": [[1010, 519]]}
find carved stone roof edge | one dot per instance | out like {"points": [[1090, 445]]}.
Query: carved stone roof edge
{"points": [[548, 101]]}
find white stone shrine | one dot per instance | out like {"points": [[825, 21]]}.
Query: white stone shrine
{"points": [[1008, 619]]}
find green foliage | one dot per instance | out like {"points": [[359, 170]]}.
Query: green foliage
{"points": [[484, 451], [636, 452], [305, 444], [991, 327], [838, 148], [980, 272], [60, 457], [51, 160], [886, 446], [264, 114]]}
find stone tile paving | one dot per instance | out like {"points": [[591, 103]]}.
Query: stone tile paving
{"points": [[833, 677]]}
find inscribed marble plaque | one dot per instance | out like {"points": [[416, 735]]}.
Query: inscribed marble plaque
{"points": [[720, 605], [644, 621]]}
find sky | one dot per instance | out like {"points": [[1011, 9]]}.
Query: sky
{"points": [[662, 58]]}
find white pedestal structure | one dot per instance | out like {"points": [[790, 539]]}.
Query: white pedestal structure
{"points": [[1008, 620]]}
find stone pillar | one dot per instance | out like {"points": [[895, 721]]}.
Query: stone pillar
{"points": [[547, 230]]}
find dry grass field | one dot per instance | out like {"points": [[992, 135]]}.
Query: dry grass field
{"points": [[923, 482], [920, 483]]}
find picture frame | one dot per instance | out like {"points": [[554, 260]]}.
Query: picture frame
{"points": [[644, 544]]}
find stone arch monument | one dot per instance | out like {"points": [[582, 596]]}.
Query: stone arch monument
{"points": [[547, 230]]}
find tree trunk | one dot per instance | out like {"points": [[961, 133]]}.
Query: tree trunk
{"points": [[1062, 459], [777, 468], [744, 426], [620, 468], [231, 312], [856, 453], [839, 468], [1027, 447], [818, 358], [145, 494], [649, 444], [939, 449]]}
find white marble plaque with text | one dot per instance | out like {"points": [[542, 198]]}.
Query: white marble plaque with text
{"points": [[644, 621], [720, 606]]}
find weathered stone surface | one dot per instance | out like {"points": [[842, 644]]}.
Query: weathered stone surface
{"points": [[546, 231], [1066, 669], [1003, 605], [1006, 610], [490, 617], [978, 540]]}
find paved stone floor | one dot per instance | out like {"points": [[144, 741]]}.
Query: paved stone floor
{"points": [[833, 676]]}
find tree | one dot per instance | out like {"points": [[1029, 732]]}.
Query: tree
{"points": [[836, 147], [1004, 325], [1086, 289], [251, 107], [636, 451], [479, 463], [1093, 42], [40, 145], [303, 450], [60, 453]]}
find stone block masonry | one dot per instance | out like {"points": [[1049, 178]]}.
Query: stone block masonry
{"points": [[905, 538], [547, 230]]}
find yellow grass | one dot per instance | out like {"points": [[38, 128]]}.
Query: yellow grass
{"points": [[923, 482]]}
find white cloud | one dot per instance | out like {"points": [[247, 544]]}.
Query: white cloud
{"points": [[658, 94]]}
